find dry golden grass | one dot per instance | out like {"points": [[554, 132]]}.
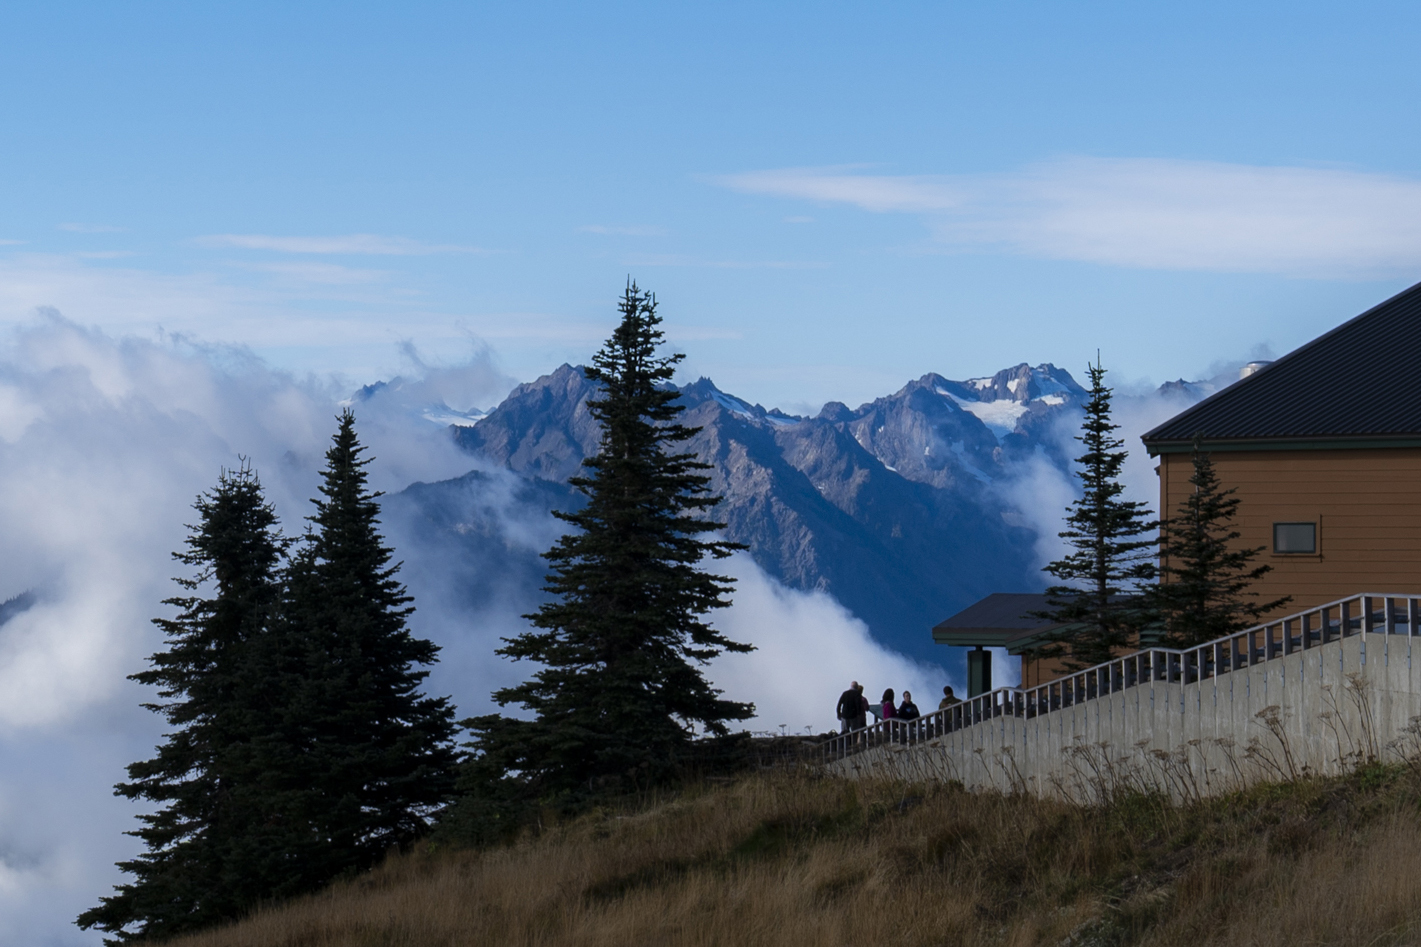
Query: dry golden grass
{"points": [[791, 860]]}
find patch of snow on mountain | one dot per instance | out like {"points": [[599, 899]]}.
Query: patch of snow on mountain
{"points": [[1013, 385], [999, 416], [1049, 386], [778, 418], [733, 405], [1052, 399], [981, 384]]}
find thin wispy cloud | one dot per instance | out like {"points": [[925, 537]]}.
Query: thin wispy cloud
{"points": [[624, 231], [324, 274], [1147, 213], [91, 228], [356, 244], [678, 259]]}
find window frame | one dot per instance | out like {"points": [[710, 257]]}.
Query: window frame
{"points": [[1296, 552]]}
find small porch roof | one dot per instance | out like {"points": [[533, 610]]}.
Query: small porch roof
{"points": [[1001, 620]]}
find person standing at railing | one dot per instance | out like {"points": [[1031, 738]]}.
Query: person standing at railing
{"points": [[851, 708], [948, 700], [889, 712], [908, 711]]}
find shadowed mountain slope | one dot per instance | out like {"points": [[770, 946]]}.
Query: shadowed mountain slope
{"points": [[893, 508]]}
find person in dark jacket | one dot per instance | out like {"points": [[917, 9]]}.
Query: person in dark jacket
{"points": [[908, 710], [851, 708]]}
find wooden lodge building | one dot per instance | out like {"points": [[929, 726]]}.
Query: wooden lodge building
{"points": [[1324, 449]]}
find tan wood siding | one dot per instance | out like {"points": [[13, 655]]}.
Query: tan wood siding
{"points": [[1366, 503]]}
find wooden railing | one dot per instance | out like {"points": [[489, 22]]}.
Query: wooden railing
{"points": [[1372, 613]]}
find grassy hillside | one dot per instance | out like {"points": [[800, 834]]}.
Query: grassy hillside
{"points": [[791, 860]]}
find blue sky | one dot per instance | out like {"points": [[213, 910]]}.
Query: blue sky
{"points": [[828, 199]]}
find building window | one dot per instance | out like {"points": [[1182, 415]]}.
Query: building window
{"points": [[1295, 537]]}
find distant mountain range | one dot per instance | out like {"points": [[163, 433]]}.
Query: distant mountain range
{"points": [[900, 508]]}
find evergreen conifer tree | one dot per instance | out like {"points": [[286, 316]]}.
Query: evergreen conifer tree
{"points": [[1203, 589], [1098, 596], [374, 755], [619, 696], [206, 842]]}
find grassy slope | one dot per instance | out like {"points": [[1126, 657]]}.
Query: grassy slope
{"points": [[797, 860]]}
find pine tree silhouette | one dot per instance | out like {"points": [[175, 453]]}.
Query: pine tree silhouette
{"points": [[619, 697], [375, 755], [1098, 599], [1204, 578], [216, 813]]}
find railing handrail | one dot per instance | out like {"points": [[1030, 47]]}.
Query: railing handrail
{"points": [[1172, 665]]}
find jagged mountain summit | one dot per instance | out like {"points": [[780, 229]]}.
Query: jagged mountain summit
{"points": [[933, 430], [893, 508]]}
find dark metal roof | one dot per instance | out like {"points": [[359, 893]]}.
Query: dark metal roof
{"points": [[1001, 620], [1353, 386]]}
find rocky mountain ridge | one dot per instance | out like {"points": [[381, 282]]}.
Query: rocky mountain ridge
{"points": [[894, 508]]}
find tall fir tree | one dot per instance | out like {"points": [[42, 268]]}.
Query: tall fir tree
{"points": [[206, 843], [375, 755], [619, 696], [1098, 595], [1203, 592]]}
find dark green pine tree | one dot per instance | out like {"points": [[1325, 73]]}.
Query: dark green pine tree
{"points": [[205, 842], [1098, 598], [620, 696], [1204, 579], [374, 755]]}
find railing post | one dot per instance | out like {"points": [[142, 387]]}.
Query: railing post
{"points": [[1366, 614], [1411, 615]]}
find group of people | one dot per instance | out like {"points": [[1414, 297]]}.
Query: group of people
{"points": [[854, 707]]}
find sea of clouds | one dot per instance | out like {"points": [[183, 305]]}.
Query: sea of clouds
{"points": [[106, 441]]}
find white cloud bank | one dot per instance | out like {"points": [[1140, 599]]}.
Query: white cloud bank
{"points": [[809, 647], [1147, 213]]}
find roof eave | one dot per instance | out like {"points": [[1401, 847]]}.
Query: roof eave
{"points": [[1157, 446]]}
